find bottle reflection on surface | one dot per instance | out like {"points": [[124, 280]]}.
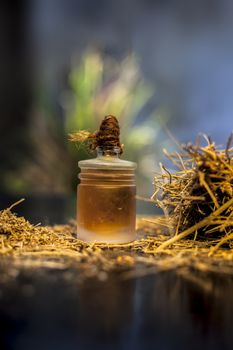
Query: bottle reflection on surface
{"points": [[109, 314]]}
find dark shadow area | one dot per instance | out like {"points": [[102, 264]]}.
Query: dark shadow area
{"points": [[48, 309]]}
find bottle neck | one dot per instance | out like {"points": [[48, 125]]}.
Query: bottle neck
{"points": [[113, 152]]}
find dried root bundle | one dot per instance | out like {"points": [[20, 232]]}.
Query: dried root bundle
{"points": [[198, 198], [107, 137]]}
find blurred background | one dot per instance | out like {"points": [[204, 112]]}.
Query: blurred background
{"points": [[161, 67]]}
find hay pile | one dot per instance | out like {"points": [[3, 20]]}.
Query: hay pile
{"points": [[198, 198]]}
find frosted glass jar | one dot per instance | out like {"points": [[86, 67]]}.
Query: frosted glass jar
{"points": [[106, 206]]}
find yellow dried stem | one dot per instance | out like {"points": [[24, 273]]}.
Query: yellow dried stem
{"points": [[207, 187], [80, 136]]}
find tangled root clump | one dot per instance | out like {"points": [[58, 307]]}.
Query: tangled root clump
{"points": [[107, 138], [197, 199]]}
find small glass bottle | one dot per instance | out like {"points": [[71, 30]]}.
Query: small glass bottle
{"points": [[106, 210]]}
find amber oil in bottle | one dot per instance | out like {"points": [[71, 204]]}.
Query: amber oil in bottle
{"points": [[106, 209]]}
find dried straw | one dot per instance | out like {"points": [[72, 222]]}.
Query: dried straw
{"points": [[29, 246], [197, 199]]}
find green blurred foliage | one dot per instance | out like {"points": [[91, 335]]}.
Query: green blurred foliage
{"points": [[101, 86], [98, 85]]}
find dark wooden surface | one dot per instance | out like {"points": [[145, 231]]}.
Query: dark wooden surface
{"points": [[47, 308]]}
